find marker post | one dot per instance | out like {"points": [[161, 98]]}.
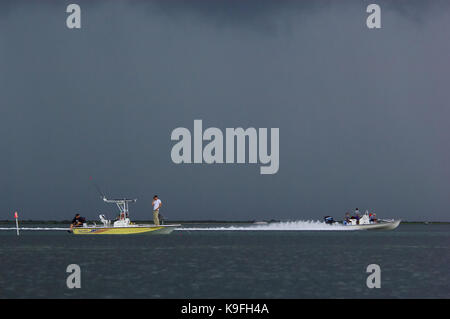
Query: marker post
{"points": [[16, 216]]}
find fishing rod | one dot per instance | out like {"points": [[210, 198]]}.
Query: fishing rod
{"points": [[102, 195]]}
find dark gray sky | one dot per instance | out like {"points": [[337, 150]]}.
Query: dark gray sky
{"points": [[363, 114]]}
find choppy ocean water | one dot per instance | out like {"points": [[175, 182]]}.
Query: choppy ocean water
{"points": [[223, 261]]}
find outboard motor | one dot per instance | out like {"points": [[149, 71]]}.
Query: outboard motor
{"points": [[328, 220]]}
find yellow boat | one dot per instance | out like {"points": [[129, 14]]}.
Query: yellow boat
{"points": [[122, 226], [132, 229]]}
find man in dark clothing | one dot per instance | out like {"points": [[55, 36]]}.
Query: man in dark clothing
{"points": [[77, 221]]}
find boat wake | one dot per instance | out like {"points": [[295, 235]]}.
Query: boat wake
{"points": [[284, 226], [34, 228]]}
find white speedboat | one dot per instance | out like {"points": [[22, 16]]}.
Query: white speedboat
{"points": [[365, 223]]}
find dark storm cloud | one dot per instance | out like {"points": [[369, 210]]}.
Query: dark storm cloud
{"points": [[262, 14], [246, 12], [256, 15], [362, 114]]}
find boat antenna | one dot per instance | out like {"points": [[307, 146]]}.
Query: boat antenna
{"points": [[102, 195]]}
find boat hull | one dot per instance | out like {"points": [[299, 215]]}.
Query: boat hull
{"points": [[130, 230], [379, 226]]}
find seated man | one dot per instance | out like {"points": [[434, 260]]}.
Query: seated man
{"points": [[347, 219], [77, 221]]}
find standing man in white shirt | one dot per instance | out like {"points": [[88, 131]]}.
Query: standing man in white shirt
{"points": [[156, 206]]}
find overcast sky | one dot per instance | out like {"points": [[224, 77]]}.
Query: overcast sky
{"points": [[363, 114]]}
